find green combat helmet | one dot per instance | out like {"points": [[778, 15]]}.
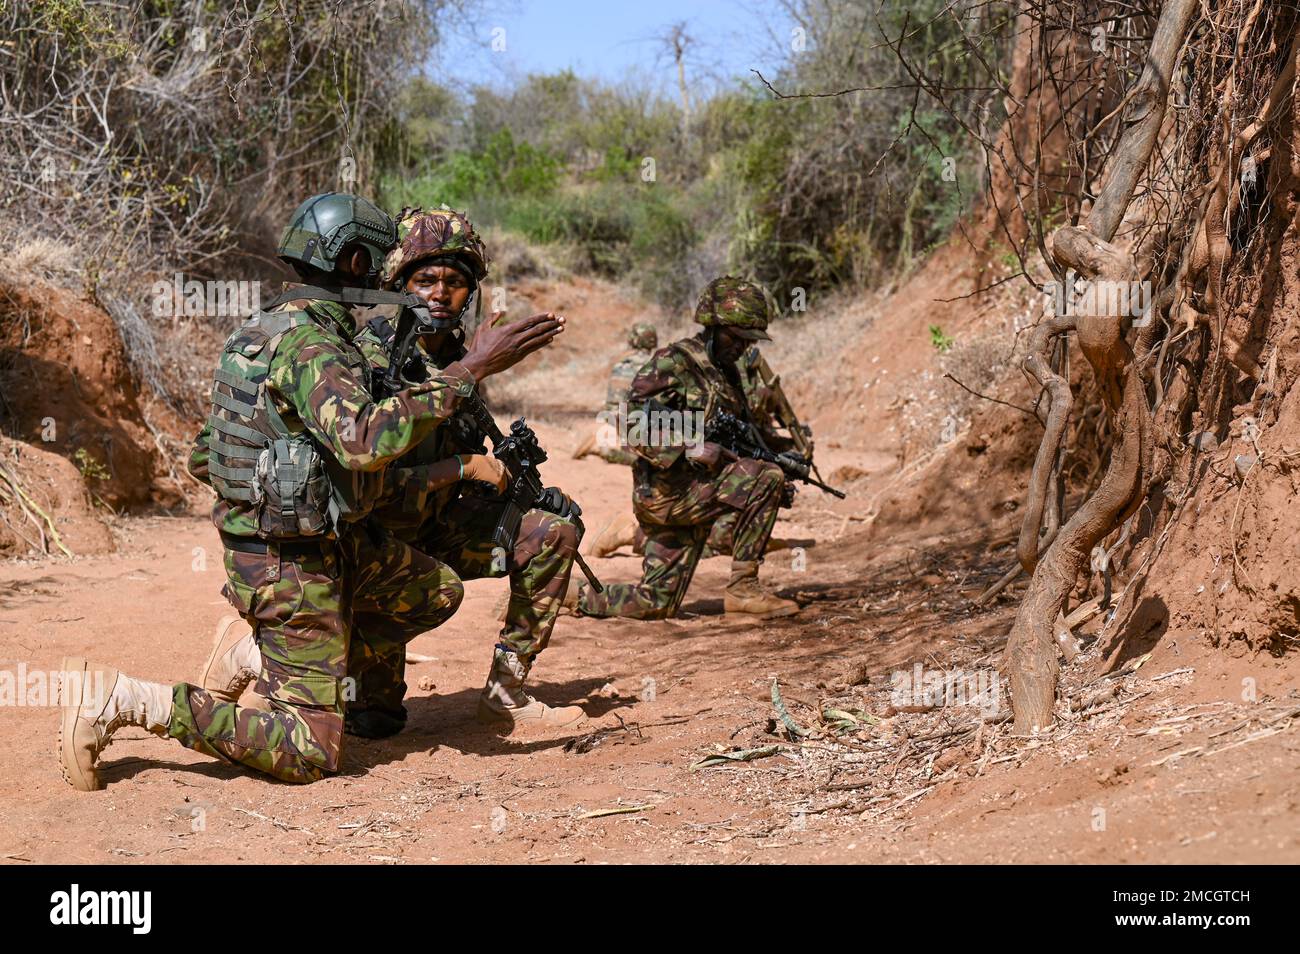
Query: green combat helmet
{"points": [[740, 305], [643, 337], [322, 225]]}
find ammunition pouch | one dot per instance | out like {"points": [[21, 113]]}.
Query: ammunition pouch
{"points": [[291, 491]]}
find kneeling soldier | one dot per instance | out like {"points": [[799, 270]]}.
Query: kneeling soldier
{"points": [[681, 488]]}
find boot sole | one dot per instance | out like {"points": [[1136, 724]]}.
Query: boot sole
{"points": [[774, 614], [72, 773]]}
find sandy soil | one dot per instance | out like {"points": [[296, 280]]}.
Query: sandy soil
{"points": [[1184, 753], [448, 790]]}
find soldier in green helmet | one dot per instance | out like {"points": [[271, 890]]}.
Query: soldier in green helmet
{"points": [[294, 448], [682, 486], [441, 498]]}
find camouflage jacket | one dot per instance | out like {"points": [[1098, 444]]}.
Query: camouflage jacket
{"points": [[405, 505], [683, 381], [318, 379]]}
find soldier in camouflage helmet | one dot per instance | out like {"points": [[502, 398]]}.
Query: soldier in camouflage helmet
{"points": [[777, 433], [643, 339], [293, 448], [681, 487], [442, 497], [439, 500]]}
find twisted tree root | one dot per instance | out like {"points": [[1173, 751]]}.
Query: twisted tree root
{"points": [[1031, 648]]}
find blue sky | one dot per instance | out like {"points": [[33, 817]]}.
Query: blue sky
{"points": [[610, 39]]}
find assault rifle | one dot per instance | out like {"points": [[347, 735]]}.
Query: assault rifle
{"points": [[740, 438], [783, 411], [519, 450]]}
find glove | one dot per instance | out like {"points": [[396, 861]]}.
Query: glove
{"points": [[484, 468], [788, 490]]}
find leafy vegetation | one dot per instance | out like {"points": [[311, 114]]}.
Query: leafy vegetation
{"points": [[801, 193]]}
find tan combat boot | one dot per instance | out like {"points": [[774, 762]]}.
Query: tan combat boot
{"points": [[586, 446], [744, 595], [97, 701], [504, 701], [619, 532], [233, 663]]}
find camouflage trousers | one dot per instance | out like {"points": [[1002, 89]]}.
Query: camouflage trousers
{"points": [[538, 567], [305, 611], [746, 494], [718, 542]]}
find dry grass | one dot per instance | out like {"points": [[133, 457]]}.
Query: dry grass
{"points": [[42, 260]]}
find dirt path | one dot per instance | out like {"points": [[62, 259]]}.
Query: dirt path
{"points": [[1174, 765], [448, 790]]}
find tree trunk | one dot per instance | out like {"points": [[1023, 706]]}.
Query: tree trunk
{"points": [[1031, 653]]}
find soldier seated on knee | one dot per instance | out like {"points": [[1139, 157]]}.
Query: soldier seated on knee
{"points": [[683, 484], [294, 449], [443, 497]]}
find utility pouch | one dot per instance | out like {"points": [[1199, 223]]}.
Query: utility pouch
{"points": [[291, 491]]}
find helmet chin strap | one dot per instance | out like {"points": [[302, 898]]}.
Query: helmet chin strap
{"points": [[711, 342], [448, 324]]}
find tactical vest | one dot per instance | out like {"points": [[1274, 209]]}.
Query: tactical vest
{"points": [[293, 487]]}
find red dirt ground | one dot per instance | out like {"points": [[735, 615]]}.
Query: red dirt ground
{"points": [[1171, 765]]}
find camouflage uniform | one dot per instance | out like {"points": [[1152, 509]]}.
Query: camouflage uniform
{"points": [[643, 339], [454, 525], [759, 402], [675, 501], [305, 596]]}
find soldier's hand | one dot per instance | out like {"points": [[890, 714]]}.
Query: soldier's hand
{"points": [[484, 468], [707, 454], [497, 347]]}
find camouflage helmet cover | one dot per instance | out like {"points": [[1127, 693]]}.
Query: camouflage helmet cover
{"points": [[321, 226], [438, 233], [739, 305], [643, 336]]}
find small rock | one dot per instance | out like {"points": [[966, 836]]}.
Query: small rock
{"points": [[1108, 776], [947, 760], [1244, 463], [426, 684], [856, 674]]}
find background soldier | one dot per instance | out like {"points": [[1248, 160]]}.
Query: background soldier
{"points": [[643, 339], [291, 449], [771, 413], [681, 490]]}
